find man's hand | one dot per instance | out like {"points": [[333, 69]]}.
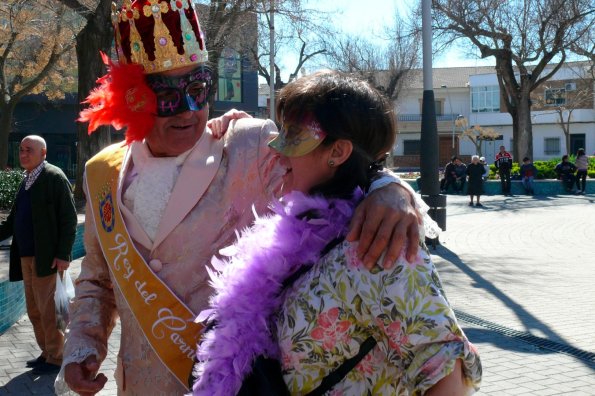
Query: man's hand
{"points": [[83, 378], [385, 221], [219, 125], [61, 265]]}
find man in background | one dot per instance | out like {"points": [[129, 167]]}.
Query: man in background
{"points": [[42, 222], [504, 165], [528, 173], [455, 175], [565, 171]]}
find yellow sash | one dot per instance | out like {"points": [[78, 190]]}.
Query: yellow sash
{"points": [[165, 321]]}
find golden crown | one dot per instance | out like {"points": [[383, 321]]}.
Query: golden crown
{"points": [[159, 35]]}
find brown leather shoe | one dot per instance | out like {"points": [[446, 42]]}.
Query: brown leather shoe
{"points": [[35, 362]]}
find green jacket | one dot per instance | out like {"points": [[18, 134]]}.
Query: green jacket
{"points": [[54, 223]]}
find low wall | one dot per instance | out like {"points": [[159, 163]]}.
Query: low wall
{"points": [[540, 187], [12, 295]]}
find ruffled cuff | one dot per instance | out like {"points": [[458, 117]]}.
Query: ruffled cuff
{"points": [[430, 228]]}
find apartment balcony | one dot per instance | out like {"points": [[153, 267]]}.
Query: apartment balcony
{"points": [[417, 117], [411, 123]]}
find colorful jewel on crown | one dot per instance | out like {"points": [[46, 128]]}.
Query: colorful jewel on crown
{"points": [[159, 35]]}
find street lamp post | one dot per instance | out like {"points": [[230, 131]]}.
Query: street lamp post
{"points": [[454, 126], [272, 62], [430, 186], [451, 114]]}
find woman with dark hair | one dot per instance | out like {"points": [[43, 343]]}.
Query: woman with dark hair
{"points": [[293, 299]]}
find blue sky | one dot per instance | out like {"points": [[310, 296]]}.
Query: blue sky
{"points": [[368, 18]]}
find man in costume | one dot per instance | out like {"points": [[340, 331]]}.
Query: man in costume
{"points": [[42, 223], [161, 204]]}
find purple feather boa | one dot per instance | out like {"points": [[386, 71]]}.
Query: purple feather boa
{"points": [[248, 285]]}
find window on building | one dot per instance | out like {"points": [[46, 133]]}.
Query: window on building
{"points": [[551, 146], [438, 105], [230, 76], [485, 99], [555, 97], [411, 147]]}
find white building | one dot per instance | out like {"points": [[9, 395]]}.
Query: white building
{"points": [[473, 93]]}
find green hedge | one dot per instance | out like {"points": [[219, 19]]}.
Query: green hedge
{"points": [[9, 184], [545, 169]]}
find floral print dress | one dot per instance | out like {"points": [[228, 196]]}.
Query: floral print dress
{"points": [[338, 304]]}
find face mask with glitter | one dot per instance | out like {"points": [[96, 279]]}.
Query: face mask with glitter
{"points": [[177, 94]]}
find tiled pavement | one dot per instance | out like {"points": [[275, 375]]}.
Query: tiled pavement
{"points": [[527, 265], [520, 266]]}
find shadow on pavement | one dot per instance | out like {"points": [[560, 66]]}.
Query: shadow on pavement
{"points": [[529, 321], [516, 203], [29, 384], [487, 336]]}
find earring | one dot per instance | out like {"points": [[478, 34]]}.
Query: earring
{"points": [[331, 163]]}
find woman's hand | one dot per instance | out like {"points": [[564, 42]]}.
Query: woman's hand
{"points": [[219, 125]]}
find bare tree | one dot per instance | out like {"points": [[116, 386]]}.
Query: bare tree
{"points": [[384, 66], [524, 37], [298, 30], [476, 134], [34, 36], [244, 26], [563, 102]]}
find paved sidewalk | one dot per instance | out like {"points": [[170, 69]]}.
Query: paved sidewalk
{"points": [[525, 267], [521, 268]]}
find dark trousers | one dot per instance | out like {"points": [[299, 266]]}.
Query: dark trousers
{"points": [[505, 180], [568, 181], [581, 175], [458, 184]]}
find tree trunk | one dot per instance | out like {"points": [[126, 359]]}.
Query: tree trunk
{"points": [[515, 137], [6, 114], [478, 148], [566, 129], [524, 142], [96, 36]]}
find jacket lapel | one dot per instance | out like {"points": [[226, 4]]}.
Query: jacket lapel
{"points": [[196, 175]]}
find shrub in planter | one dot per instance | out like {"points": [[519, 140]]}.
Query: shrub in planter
{"points": [[9, 184], [545, 169]]}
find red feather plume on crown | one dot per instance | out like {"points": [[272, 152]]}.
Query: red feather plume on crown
{"points": [[122, 99]]}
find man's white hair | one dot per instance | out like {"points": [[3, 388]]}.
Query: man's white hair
{"points": [[37, 139]]}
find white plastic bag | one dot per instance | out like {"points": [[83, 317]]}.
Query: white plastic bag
{"points": [[64, 293], [68, 285]]}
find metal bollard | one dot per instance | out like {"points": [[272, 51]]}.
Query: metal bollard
{"points": [[437, 212]]}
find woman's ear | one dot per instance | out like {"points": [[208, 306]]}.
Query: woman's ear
{"points": [[340, 151]]}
